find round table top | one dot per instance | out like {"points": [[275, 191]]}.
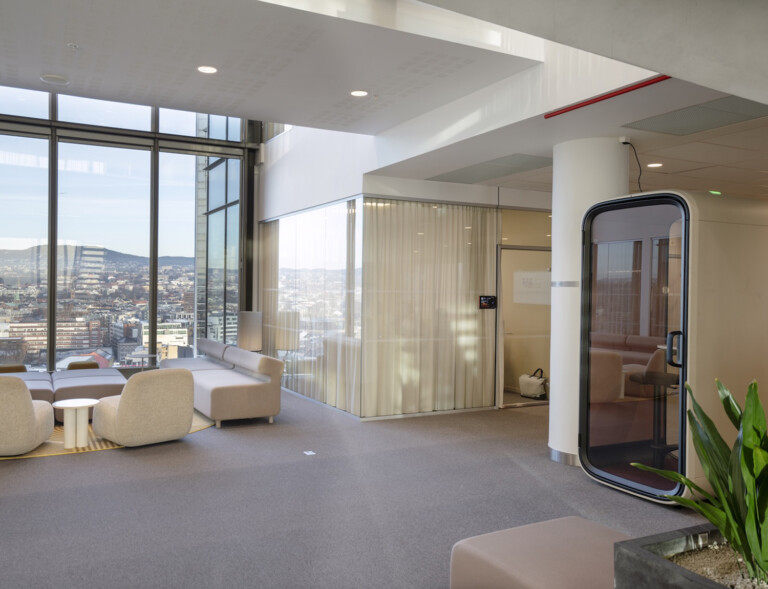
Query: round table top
{"points": [[75, 403]]}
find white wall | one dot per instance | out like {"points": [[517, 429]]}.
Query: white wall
{"points": [[306, 167]]}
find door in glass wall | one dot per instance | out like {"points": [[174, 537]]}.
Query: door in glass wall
{"points": [[24, 251], [632, 343], [102, 256], [526, 278]]}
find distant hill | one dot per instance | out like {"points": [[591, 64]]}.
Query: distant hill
{"points": [[67, 254]]}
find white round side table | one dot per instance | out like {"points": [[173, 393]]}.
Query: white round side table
{"points": [[75, 421]]}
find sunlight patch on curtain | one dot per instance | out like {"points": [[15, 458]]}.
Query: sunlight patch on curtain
{"points": [[426, 344]]}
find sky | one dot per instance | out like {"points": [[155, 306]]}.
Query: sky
{"points": [[103, 192], [103, 197]]}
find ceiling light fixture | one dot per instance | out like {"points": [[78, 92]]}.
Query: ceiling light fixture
{"points": [[55, 79], [359, 93], [207, 69], [655, 165]]}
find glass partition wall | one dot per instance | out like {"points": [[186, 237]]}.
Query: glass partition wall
{"points": [[146, 225], [373, 305]]}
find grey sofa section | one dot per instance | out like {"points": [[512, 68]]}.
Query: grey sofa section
{"points": [[91, 383], [232, 383], [38, 383]]}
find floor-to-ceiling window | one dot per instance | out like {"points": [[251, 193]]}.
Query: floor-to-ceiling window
{"points": [[141, 202], [24, 251], [218, 252], [102, 255]]}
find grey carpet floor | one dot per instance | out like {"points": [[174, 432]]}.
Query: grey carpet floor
{"points": [[378, 505]]}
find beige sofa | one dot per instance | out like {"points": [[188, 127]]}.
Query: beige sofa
{"points": [[232, 383]]}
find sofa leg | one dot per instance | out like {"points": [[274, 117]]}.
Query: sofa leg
{"points": [[271, 419], [218, 424]]}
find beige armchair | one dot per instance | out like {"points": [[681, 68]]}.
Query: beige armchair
{"points": [[155, 406], [24, 422]]}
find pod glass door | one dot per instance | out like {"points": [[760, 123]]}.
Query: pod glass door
{"points": [[632, 346]]}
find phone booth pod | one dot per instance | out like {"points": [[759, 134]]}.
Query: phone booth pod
{"points": [[674, 291]]}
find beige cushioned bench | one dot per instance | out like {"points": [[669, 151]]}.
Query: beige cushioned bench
{"points": [[232, 383], [568, 552], [212, 358]]}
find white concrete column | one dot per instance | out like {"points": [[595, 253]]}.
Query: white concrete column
{"points": [[585, 172]]}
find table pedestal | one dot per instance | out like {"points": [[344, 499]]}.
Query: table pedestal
{"points": [[75, 421]]}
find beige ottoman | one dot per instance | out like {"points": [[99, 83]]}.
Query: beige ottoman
{"points": [[568, 552]]}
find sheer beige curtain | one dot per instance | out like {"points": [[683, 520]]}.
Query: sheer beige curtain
{"points": [[426, 344], [269, 234]]}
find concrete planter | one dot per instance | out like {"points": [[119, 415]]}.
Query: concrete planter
{"points": [[642, 563]]}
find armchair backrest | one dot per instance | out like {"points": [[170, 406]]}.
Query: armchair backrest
{"points": [[15, 400], [154, 399], [17, 417]]}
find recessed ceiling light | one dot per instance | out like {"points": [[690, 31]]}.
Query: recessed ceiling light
{"points": [[207, 69], [359, 93], [655, 165], [55, 79]]}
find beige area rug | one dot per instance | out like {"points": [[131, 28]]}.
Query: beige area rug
{"points": [[54, 446]]}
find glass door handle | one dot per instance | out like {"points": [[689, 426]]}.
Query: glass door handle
{"points": [[671, 348]]}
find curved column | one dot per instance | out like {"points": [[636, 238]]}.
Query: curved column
{"points": [[585, 172]]}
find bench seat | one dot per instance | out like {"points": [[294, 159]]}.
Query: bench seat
{"points": [[568, 552]]}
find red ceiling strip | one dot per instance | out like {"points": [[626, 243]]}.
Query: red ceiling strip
{"points": [[602, 97]]}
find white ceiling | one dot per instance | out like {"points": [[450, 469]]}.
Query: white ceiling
{"points": [[281, 64], [275, 63]]}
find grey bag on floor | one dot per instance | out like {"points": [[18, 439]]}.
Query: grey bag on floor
{"points": [[533, 385]]}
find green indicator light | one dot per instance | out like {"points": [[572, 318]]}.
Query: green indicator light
{"points": [[715, 192]]}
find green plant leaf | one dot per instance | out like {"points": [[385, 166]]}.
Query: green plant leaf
{"points": [[762, 501], [714, 459], [753, 419], [737, 489], [716, 446], [677, 478], [732, 409]]}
